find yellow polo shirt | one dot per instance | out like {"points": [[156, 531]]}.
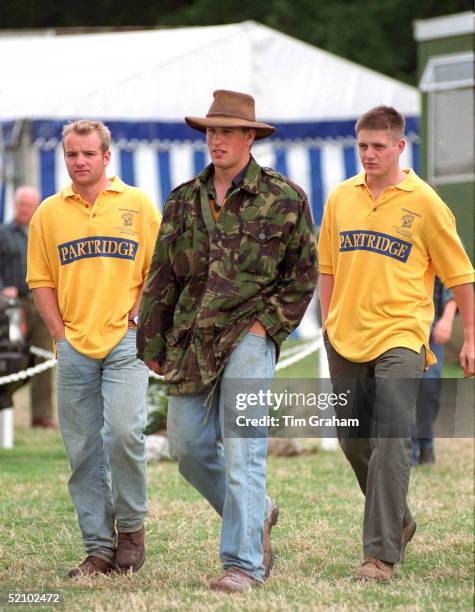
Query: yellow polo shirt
{"points": [[96, 258], [383, 255]]}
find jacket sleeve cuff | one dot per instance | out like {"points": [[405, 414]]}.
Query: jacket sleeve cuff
{"points": [[155, 350], [274, 328]]}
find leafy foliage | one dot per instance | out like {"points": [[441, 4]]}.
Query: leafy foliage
{"points": [[157, 407]]}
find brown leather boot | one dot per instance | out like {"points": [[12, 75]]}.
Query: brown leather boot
{"points": [[130, 554], [375, 569], [269, 557], [234, 580], [90, 567]]}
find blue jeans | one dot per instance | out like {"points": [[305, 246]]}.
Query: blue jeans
{"points": [[102, 414], [427, 406], [228, 471]]}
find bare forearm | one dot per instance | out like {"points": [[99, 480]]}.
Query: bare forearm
{"points": [[326, 282], [463, 295], [47, 305], [443, 327], [450, 309]]}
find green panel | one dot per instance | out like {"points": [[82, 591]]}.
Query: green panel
{"points": [[460, 198], [423, 136], [425, 50], [441, 46]]}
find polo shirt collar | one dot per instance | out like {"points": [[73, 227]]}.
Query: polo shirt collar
{"points": [[407, 184], [116, 185]]}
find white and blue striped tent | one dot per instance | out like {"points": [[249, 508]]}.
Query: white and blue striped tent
{"points": [[159, 156], [143, 83]]}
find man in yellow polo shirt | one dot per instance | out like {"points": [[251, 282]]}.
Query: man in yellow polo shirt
{"points": [[89, 252], [384, 234]]}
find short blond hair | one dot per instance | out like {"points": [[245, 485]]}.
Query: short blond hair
{"points": [[86, 126], [382, 118]]}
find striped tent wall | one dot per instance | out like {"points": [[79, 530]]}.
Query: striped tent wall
{"points": [[157, 166], [317, 166], [315, 156]]}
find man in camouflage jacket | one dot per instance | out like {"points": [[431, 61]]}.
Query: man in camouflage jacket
{"points": [[233, 272]]}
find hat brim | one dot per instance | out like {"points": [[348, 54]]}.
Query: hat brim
{"points": [[263, 130]]}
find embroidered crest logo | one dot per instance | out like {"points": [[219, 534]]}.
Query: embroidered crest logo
{"points": [[407, 220], [127, 218]]}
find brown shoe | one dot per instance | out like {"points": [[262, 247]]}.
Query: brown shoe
{"points": [[426, 456], [407, 534], [90, 567], [234, 580], [374, 569], [269, 556], [130, 554], [43, 423]]}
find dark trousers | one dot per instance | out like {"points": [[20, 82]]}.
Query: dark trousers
{"points": [[428, 402], [383, 394], [41, 387]]}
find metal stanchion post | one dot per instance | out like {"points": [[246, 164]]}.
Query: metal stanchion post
{"points": [[6, 428]]}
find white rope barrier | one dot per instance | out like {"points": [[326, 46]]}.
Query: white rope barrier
{"points": [[39, 352], [292, 350], [305, 351], [29, 372], [288, 357]]}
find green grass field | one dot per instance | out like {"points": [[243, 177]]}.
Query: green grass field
{"points": [[317, 540]]}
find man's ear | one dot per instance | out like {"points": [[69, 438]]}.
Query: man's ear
{"points": [[250, 136]]}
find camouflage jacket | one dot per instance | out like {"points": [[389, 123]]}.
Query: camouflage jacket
{"points": [[208, 281]]}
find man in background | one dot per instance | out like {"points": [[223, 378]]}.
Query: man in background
{"points": [[13, 252], [428, 399]]}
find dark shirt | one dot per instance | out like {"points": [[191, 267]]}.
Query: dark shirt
{"points": [[13, 250], [442, 295], [235, 183]]}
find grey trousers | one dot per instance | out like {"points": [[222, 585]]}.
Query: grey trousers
{"points": [[383, 393]]}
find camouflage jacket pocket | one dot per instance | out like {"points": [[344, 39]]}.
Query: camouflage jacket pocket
{"points": [[179, 336], [180, 245], [260, 248], [180, 364]]}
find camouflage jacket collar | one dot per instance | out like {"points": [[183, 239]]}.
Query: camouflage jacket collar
{"points": [[250, 181]]}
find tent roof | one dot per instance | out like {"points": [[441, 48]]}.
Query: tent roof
{"points": [[166, 74]]}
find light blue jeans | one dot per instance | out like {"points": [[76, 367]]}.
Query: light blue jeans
{"points": [[229, 472], [102, 414]]}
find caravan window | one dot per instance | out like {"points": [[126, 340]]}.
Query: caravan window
{"points": [[449, 81]]}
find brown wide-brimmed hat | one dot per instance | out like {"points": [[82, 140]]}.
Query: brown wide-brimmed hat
{"points": [[231, 109]]}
